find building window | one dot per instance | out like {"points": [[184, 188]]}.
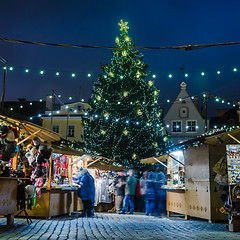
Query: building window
{"points": [[176, 126], [71, 131], [55, 128], [191, 126]]}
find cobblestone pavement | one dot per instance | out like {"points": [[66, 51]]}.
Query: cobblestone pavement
{"points": [[115, 226]]}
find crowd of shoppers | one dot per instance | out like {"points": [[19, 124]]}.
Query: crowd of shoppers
{"points": [[143, 193], [147, 192]]}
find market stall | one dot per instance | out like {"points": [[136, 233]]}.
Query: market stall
{"points": [[103, 171], [58, 195], [48, 197], [192, 189]]}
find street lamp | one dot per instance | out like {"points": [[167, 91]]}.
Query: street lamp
{"points": [[4, 81]]}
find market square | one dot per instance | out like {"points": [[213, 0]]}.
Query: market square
{"points": [[119, 120]]}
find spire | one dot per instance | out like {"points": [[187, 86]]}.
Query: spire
{"points": [[183, 85]]}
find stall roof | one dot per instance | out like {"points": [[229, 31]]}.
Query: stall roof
{"points": [[31, 129], [66, 150], [151, 160], [227, 136], [103, 163]]}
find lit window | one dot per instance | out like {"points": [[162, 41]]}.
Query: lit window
{"points": [[191, 126], [71, 131], [176, 126]]}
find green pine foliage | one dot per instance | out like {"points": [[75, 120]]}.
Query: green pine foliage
{"points": [[125, 119]]}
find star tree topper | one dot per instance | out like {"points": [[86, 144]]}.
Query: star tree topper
{"points": [[123, 26]]}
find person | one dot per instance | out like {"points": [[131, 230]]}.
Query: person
{"points": [[130, 189], [86, 191], [138, 198], [150, 194], [161, 192], [119, 190], [143, 181]]}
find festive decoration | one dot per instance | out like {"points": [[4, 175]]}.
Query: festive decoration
{"points": [[128, 120]]}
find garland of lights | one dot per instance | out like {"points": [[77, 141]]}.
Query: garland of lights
{"points": [[74, 74]]}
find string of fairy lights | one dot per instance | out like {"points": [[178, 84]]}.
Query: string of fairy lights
{"points": [[217, 99], [75, 74]]}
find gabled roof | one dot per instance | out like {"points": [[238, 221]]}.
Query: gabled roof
{"points": [[182, 97]]}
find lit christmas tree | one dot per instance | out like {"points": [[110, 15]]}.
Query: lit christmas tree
{"points": [[124, 123]]}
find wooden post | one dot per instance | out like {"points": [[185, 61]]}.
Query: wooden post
{"points": [[49, 173], [10, 219], [70, 166], [15, 160]]}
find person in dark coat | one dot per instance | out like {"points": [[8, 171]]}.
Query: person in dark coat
{"points": [[130, 190], [86, 191], [150, 195]]}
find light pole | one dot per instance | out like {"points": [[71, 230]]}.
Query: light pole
{"points": [[4, 80]]}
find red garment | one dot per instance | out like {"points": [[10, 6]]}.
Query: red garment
{"points": [[138, 189]]}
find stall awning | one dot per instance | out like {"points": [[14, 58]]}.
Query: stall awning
{"points": [[152, 160], [31, 129], [226, 136], [103, 163], [66, 151]]}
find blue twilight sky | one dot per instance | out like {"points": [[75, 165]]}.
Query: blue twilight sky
{"points": [[152, 23]]}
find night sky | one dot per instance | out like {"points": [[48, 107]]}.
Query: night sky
{"points": [[152, 24]]}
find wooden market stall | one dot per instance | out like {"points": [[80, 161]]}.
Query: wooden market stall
{"points": [[58, 197], [55, 199], [8, 186], [198, 196]]}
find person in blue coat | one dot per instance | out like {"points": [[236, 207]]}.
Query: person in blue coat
{"points": [[86, 191]]}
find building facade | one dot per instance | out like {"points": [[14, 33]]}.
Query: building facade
{"points": [[67, 121], [183, 120]]}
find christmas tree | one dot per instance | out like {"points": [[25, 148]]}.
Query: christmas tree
{"points": [[124, 123]]}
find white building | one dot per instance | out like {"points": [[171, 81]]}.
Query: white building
{"points": [[183, 120]]}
